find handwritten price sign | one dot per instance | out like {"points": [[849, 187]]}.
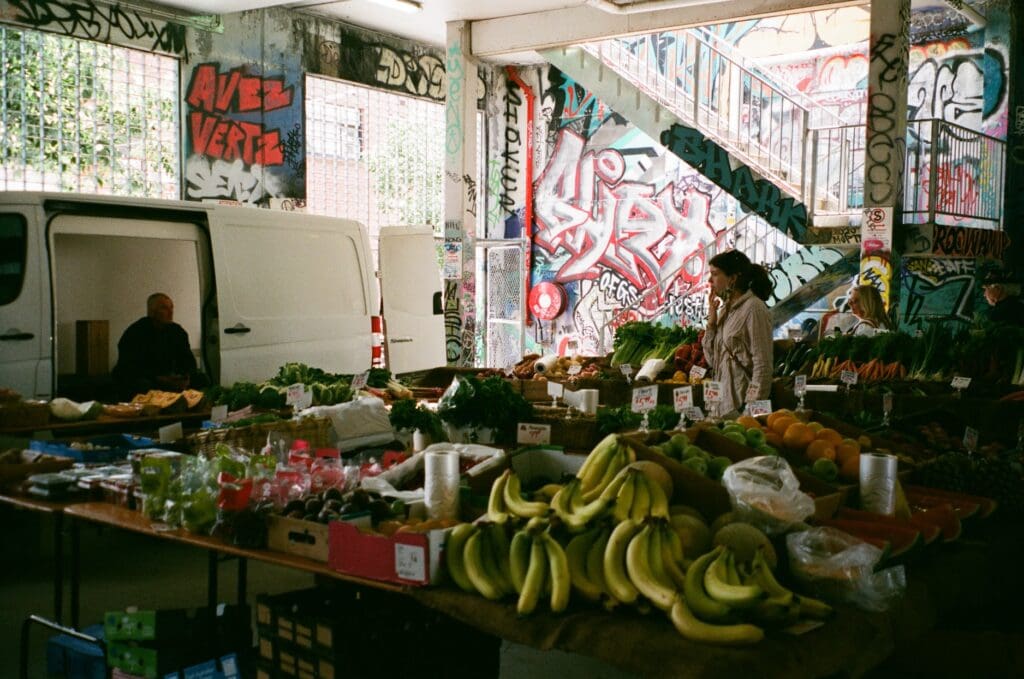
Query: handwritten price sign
{"points": [[533, 434], [682, 398], [359, 381], [645, 398], [697, 373], [713, 391]]}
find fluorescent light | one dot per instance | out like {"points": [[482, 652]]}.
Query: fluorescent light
{"points": [[401, 5]]}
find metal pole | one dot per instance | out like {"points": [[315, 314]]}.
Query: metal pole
{"points": [[932, 169]]}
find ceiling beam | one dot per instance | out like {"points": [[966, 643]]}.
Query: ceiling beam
{"points": [[572, 25]]}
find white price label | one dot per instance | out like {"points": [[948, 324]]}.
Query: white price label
{"points": [[800, 384], [971, 439], [304, 402], [887, 402], [171, 433], [712, 391], [960, 382], [359, 381], [626, 370], [682, 398], [848, 377], [295, 393], [751, 394], [645, 398], [697, 373], [575, 369], [411, 562], [695, 414], [533, 434], [762, 407], [218, 413], [555, 389]]}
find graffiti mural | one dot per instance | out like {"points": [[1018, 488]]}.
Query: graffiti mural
{"points": [[102, 22], [965, 86], [798, 269], [934, 288], [234, 153]]}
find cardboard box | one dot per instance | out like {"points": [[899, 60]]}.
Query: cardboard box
{"points": [[295, 536], [403, 558], [145, 625]]}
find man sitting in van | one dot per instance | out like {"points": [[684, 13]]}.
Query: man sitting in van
{"points": [[154, 353]]}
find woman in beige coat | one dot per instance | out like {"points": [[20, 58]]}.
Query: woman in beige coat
{"points": [[738, 338]]}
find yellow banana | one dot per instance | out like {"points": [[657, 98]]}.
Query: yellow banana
{"points": [[776, 612], [496, 511], [498, 548], [718, 586], [596, 465], [576, 552], [703, 606], [616, 578], [813, 608], [615, 464], [641, 499], [763, 576], [659, 501], [558, 567], [638, 566], [595, 558], [536, 574], [519, 558], [515, 502], [478, 570], [696, 630], [624, 498], [656, 558], [561, 503], [548, 490], [454, 555], [675, 544], [673, 566]]}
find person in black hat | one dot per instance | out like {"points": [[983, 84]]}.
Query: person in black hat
{"points": [[1003, 295]]}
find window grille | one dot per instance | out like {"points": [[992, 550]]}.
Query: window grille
{"points": [[77, 115]]}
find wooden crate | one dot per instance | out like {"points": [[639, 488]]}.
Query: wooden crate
{"points": [[92, 348]]}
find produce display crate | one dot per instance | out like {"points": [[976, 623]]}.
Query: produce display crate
{"points": [[29, 463], [575, 432], [295, 536], [317, 430], [106, 448], [24, 414]]}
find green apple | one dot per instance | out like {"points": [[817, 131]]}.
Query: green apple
{"points": [[766, 449], [737, 436], [739, 428], [697, 464], [717, 466], [693, 451], [755, 437]]}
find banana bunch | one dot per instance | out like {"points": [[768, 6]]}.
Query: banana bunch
{"points": [[476, 556], [506, 500], [603, 463], [538, 566], [643, 558]]}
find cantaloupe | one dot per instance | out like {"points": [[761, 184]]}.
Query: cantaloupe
{"points": [[744, 540]]}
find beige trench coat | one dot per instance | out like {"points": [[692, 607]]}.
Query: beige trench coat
{"points": [[744, 329]]}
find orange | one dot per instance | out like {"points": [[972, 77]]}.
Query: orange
{"points": [[781, 424], [820, 448], [798, 436], [782, 412], [864, 441], [830, 435], [773, 438], [845, 449], [850, 468], [815, 426], [748, 422]]}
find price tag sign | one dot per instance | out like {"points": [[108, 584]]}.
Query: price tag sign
{"points": [[218, 413], [533, 434], [626, 370], [762, 407], [171, 433], [645, 398], [959, 383], [694, 414], [887, 402], [971, 439], [848, 377], [359, 381], [682, 398], [697, 373], [555, 389], [800, 385], [295, 393], [410, 562], [712, 391], [574, 369], [751, 394]]}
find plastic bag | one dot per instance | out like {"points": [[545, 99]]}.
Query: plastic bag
{"points": [[358, 423], [765, 492], [839, 567]]}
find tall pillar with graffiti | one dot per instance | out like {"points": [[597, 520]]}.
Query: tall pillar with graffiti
{"points": [[460, 198], [886, 146], [1012, 15]]}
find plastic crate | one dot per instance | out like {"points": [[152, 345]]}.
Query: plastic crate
{"points": [[108, 448]]}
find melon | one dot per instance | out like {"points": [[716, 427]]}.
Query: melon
{"points": [[744, 540], [930, 532], [693, 532], [986, 505], [902, 540]]}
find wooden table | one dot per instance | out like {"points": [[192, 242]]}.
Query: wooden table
{"points": [[126, 519], [109, 425]]}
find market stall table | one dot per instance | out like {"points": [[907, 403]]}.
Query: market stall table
{"points": [[109, 425]]}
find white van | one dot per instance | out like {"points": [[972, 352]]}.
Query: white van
{"points": [[253, 288]]}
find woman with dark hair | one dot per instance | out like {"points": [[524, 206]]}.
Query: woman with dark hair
{"points": [[738, 339]]}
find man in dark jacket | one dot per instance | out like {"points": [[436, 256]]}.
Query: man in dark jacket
{"points": [[1003, 295], [153, 352]]}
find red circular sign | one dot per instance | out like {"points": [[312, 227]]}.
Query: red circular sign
{"points": [[547, 300]]}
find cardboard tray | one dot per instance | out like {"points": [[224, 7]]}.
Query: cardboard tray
{"points": [[295, 536], [403, 558]]}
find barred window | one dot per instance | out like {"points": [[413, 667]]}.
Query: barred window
{"points": [[82, 116]]}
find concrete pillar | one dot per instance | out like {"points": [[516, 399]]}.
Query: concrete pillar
{"points": [[886, 146], [1011, 16], [460, 197]]}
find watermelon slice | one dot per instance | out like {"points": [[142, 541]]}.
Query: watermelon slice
{"points": [[930, 532], [964, 509], [903, 540], [986, 505], [942, 515]]}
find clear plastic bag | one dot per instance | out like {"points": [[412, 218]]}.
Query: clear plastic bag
{"points": [[765, 492], [837, 566]]}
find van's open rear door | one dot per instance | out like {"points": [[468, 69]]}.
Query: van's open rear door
{"points": [[291, 290], [411, 295]]}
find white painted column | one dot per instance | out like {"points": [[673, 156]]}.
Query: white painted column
{"points": [[886, 146], [460, 197]]}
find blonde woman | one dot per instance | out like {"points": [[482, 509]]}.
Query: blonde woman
{"points": [[866, 304]]}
